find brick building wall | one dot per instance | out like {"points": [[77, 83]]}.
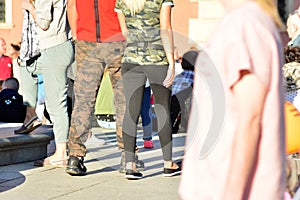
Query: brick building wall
{"points": [[12, 32], [192, 20], [183, 11]]}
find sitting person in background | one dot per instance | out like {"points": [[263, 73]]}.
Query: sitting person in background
{"points": [[181, 90], [1, 82], [293, 28], [291, 73], [14, 52], [5, 62], [12, 109]]}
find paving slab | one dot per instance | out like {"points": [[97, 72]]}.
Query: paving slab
{"points": [[103, 181]]}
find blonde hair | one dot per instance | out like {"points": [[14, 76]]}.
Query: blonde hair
{"points": [[135, 6], [270, 6]]}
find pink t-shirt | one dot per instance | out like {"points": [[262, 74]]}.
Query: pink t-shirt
{"points": [[245, 39]]}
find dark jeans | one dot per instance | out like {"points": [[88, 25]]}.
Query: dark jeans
{"points": [[145, 115], [134, 78]]}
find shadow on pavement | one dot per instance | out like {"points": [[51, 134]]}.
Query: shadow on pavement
{"points": [[10, 180], [105, 169]]}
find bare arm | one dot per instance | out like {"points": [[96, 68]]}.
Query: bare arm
{"points": [[27, 5], [40, 11], [122, 22], [72, 17], [167, 38], [245, 144]]}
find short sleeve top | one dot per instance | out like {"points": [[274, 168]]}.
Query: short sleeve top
{"points": [[245, 39], [144, 41]]}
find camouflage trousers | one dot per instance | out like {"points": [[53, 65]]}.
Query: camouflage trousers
{"points": [[92, 59]]}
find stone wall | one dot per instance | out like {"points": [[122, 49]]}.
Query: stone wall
{"points": [[209, 12]]}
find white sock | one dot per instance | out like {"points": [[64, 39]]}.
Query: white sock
{"points": [[168, 164]]}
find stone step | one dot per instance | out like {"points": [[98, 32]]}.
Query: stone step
{"points": [[18, 148]]}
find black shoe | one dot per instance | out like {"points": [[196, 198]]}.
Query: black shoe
{"points": [[172, 172], [29, 126], [133, 175], [75, 166], [21, 130], [138, 163]]}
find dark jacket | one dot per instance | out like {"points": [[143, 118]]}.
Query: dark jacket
{"points": [[12, 109]]}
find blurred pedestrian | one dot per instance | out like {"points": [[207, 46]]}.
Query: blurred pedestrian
{"points": [[12, 109], [235, 145], [99, 47]]}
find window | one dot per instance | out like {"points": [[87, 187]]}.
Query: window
{"points": [[2, 11], [6, 14]]}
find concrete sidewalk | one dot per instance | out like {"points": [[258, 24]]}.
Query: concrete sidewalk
{"points": [[103, 181]]}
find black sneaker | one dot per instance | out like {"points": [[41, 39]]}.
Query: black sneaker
{"points": [[75, 166], [138, 163], [133, 175], [172, 172]]}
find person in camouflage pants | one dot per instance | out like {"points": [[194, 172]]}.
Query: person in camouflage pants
{"points": [[88, 78], [99, 46]]}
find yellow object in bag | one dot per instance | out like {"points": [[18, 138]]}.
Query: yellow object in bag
{"points": [[105, 98], [292, 128]]}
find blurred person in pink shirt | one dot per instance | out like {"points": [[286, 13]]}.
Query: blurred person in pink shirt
{"points": [[235, 147]]}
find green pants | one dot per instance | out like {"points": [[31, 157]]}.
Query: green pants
{"points": [[55, 62], [29, 82]]}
